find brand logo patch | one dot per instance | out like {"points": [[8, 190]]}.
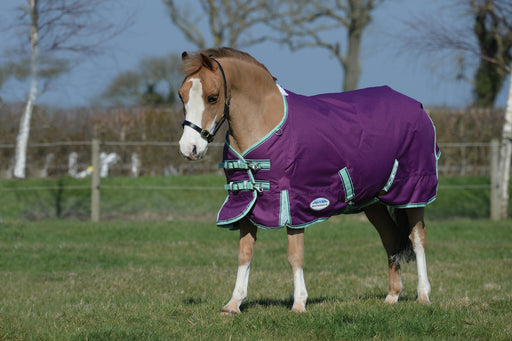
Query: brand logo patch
{"points": [[319, 204]]}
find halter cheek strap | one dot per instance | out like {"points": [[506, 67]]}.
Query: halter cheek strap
{"points": [[207, 135]]}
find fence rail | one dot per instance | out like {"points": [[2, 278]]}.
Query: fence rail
{"points": [[93, 149], [214, 144], [134, 158]]}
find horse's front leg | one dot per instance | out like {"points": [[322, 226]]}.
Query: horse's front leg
{"points": [[296, 260], [245, 251]]}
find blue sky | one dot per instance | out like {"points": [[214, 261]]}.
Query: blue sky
{"points": [[429, 78]]}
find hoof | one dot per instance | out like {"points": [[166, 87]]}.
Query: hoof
{"points": [[391, 299], [229, 312], [423, 299], [299, 308]]}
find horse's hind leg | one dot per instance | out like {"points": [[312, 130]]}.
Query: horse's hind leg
{"points": [[247, 240], [419, 242], [394, 234], [296, 260]]}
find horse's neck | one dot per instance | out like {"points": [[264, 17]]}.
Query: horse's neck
{"points": [[256, 104]]}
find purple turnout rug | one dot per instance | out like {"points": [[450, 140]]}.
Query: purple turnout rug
{"points": [[332, 154]]}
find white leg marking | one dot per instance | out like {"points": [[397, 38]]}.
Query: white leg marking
{"points": [[240, 291], [192, 145], [300, 294], [421, 262], [393, 298]]}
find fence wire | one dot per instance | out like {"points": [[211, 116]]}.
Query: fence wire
{"points": [[175, 188], [87, 144]]}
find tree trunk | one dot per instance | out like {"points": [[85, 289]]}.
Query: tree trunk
{"points": [[352, 66], [23, 134], [505, 155], [358, 19]]}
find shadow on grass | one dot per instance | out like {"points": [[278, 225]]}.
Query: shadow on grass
{"points": [[287, 303], [193, 301], [382, 297]]}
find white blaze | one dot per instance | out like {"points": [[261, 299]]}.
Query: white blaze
{"points": [[191, 143]]}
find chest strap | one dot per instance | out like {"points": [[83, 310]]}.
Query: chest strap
{"points": [[258, 186], [245, 164]]}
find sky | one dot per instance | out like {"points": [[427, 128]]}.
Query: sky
{"points": [[425, 77]]}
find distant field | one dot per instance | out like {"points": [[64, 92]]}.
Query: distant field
{"points": [[72, 280], [186, 197]]}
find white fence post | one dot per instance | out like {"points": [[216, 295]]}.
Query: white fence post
{"points": [[95, 181], [495, 175]]}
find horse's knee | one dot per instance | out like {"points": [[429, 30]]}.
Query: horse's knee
{"points": [[248, 238], [295, 248]]}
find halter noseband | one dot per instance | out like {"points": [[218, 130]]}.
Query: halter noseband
{"points": [[208, 136]]}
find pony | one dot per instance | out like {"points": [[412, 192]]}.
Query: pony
{"points": [[292, 161]]}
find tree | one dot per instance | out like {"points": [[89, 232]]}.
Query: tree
{"points": [[22, 138], [485, 35], [304, 24], [156, 81], [230, 22], [299, 24], [60, 32], [493, 30], [489, 38], [505, 155]]}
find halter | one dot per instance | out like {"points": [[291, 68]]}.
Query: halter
{"points": [[203, 132]]}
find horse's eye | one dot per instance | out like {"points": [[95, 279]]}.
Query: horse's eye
{"points": [[213, 99]]}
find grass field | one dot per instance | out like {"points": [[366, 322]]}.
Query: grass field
{"points": [[119, 280]]}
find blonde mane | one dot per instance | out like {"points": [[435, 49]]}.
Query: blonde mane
{"points": [[193, 63]]}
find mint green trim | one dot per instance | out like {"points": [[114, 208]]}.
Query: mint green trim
{"points": [[285, 217], [391, 177], [258, 185], [295, 227], [244, 213], [347, 184], [265, 138], [244, 164], [238, 217], [352, 209], [302, 226], [414, 205], [438, 156], [273, 131]]}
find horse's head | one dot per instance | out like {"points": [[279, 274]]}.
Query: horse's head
{"points": [[205, 105]]}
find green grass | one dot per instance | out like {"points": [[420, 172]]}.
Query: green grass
{"points": [[129, 280], [144, 198], [159, 198]]}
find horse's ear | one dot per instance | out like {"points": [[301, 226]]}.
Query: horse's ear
{"points": [[207, 61], [184, 55]]}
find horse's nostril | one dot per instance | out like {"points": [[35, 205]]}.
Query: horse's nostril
{"points": [[194, 151]]}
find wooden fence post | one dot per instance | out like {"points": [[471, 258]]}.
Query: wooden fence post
{"points": [[495, 175], [95, 181]]}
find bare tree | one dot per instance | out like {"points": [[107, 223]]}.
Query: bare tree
{"points": [[488, 37], [485, 34], [304, 24], [229, 22], [22, 138], [493, 30], [297, 23], [60, 30], [505, 155]]}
